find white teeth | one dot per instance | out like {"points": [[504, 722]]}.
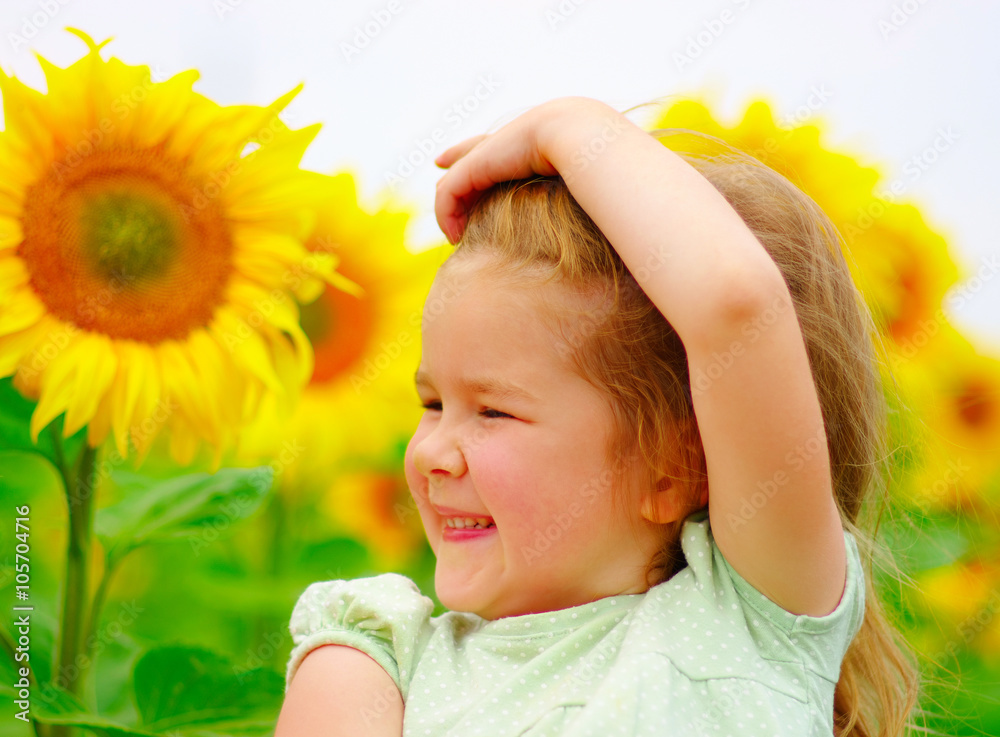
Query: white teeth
{"points": [[466, 523]]}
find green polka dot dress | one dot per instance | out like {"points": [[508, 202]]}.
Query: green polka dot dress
{"points": [[704, 653]]}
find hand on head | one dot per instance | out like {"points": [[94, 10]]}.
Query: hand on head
{"points": [[477, 163]]}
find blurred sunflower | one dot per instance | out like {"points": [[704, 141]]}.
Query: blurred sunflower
{"points": [[375, 506], [360, 404], [958, 591], [964, 598], [955, 392], [150, 242], [900, 265], [904, 270]]}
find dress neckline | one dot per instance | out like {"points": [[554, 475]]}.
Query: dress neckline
{"points": [[558, 620]]}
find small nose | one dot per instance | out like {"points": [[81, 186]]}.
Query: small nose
{"points": [[438, 451]]}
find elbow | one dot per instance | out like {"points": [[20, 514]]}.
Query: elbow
{"points": [[753, 292], [749, 300]]}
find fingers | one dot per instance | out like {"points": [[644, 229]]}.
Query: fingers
{"points": [[475, 165], [456, 190], [456, 193], [457, 151], [450, 211]]}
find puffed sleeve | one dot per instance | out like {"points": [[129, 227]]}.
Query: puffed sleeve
{"points": [[384, 617]]}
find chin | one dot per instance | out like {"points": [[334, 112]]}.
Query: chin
{"points": [[459, 596], [454, 596]]}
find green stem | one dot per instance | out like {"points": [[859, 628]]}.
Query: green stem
{"points": [[80, 501], [97, 605]]}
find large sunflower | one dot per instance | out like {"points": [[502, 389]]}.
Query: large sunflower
{"points": [[150, 243]]}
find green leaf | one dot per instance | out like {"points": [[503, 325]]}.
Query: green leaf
{"points": [[15, 420], [26, 474], [97, 724], [195, 689], [53, 705], [43, 627], [196, 505]]}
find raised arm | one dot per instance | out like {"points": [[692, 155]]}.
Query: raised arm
{"points": [[725, 297], [340, 692]]}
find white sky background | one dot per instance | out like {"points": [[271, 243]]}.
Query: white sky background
{"points": [[895, 73]]}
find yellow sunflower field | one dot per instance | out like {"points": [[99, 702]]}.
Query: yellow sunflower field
{"points": [[206, 369]]}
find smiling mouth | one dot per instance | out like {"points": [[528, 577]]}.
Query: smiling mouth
{"points": [[469, 523]]}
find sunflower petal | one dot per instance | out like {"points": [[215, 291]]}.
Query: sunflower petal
{"points": [[153, 411], [21, 309], [209, 364], [56, 388], [136, 374], [152, 124], [182, 385], [286, 318], [14, 347], [246, 347], [10, 233], [13, 275], [100, 423], [95, 366]]}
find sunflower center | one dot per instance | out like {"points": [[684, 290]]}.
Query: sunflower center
{"points": [[128, 237], [126, 243]]}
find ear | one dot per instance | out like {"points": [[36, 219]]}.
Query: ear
{"points": [[664, 504]]}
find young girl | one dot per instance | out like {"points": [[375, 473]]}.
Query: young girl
{"points": [[652, 414]]}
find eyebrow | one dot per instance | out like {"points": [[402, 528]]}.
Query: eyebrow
{"points": [[482, 385]]}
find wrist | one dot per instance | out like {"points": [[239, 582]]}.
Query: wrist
{"points": [[577, 130]]}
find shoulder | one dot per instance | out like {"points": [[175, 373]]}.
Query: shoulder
{"points": [[711, 569], [708, 606], [705, 650], [363, 600], [383, 616], [845, 619]]}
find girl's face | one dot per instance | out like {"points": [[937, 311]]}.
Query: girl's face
{"points": [[515, 439]]}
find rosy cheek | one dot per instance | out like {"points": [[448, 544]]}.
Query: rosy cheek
{"points": [[508, 487]]}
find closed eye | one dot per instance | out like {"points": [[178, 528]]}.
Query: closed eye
{"points": [[494, 413], [490, 414]]}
